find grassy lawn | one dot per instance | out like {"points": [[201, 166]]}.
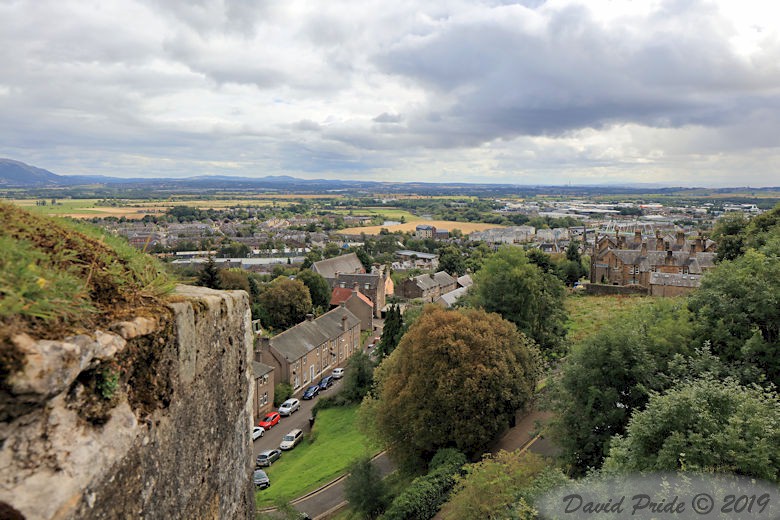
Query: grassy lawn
{"points": [[336, 444], [587, 314], [388, 213]]}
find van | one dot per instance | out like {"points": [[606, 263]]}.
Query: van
{"points": [[291, 439]]}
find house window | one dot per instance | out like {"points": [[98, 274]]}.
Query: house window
{"points": [[311, 372], [265, 379], [265, 397]]}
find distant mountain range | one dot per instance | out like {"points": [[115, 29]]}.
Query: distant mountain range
{"points": [[16, 174]]}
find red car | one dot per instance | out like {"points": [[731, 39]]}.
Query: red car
{"points": [[270, 420]]}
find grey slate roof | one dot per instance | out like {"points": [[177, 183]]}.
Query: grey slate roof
{"points": [[260, 369], [676, 280], [449, 299], [347, 264], [444, 279], [465, 280], [301, 339]]}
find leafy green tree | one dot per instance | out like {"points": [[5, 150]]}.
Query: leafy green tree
{"points": [[706, 425], [729, 233], [364, 257], [231, 279], [492, 487], [285, 302], [520, 292], [331, 249], [209, 276], [234, 250], [391, 332], [573, 252], [315, 255], [365, 490], [455, 379], [319, 289], [359, 378], [452, 261], [423, 497], [611, 375], [737, 310]]}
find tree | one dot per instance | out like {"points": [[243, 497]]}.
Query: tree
{"points": [[736, 309], [611, 375], [520, 292], [231, 279], [451, 260], [365, 490], [285, 302], [359, 377], [573, 252], [391, 332], [319, 289], [706, 425], [491, 487], [209, 276], [331, 249], [364, 257], [455, 379], [729, 233]]}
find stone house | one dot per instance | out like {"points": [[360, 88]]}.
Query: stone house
{"points": [[308, 351], [428, 286], [623, 261], [356, 302], [376, 285], [264, 389], [666, 284]]}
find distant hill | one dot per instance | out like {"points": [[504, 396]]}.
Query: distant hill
{"points": [[18, 174]]}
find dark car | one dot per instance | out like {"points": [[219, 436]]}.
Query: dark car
{"points": [[261, 479], [326, 382], [268, 457], [311, 392], [269, 421]]}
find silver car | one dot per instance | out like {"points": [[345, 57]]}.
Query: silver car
{"points": [[289, 407]]}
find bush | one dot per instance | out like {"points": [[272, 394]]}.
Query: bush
{"points": [[425, 495], [282, 392]]}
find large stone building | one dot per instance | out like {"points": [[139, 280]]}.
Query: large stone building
{"points": [[428, 287], [640, 261]]}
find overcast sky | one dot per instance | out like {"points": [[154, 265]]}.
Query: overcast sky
{"points": [[595, 91]]}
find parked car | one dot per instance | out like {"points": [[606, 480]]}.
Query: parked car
{"points": [[257, 432], [311, 392], [267, 457], [326, 382], [338, 373], [269, 421], [261, 479], [289, 407], [292, 439]]}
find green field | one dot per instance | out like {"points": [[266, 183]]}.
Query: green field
{"points": [[335, 443], [588, 314], [388, 213]]}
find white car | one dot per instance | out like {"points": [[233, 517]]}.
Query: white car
{"points": [[289, 407], [338, 373], [257, 432], [291, 439]]}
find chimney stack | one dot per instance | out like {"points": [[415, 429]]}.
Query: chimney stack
{"points": [[669, 260], [355, 287], [643, 249], [344, 323], [680, 238]]}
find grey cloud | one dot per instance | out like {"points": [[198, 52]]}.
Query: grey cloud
{"points": [[385, 117], [506, 81]]}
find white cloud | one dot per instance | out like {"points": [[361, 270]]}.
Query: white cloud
{"points": [[541, 92]]}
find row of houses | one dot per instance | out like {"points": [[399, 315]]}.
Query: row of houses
{"points": [[665, 265]]}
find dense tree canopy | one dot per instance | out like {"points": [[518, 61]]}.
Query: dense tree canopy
{"points": [[501, 486], [737, 309], [611, 375], [452, 260], [319, 289], [705, 425], [285, 303], [524, 294], [454, 380]]}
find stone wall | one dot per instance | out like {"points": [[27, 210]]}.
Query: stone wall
{"points": [[148, 420]]}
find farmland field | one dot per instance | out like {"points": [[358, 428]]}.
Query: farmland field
{"points": [[449, 225]]}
